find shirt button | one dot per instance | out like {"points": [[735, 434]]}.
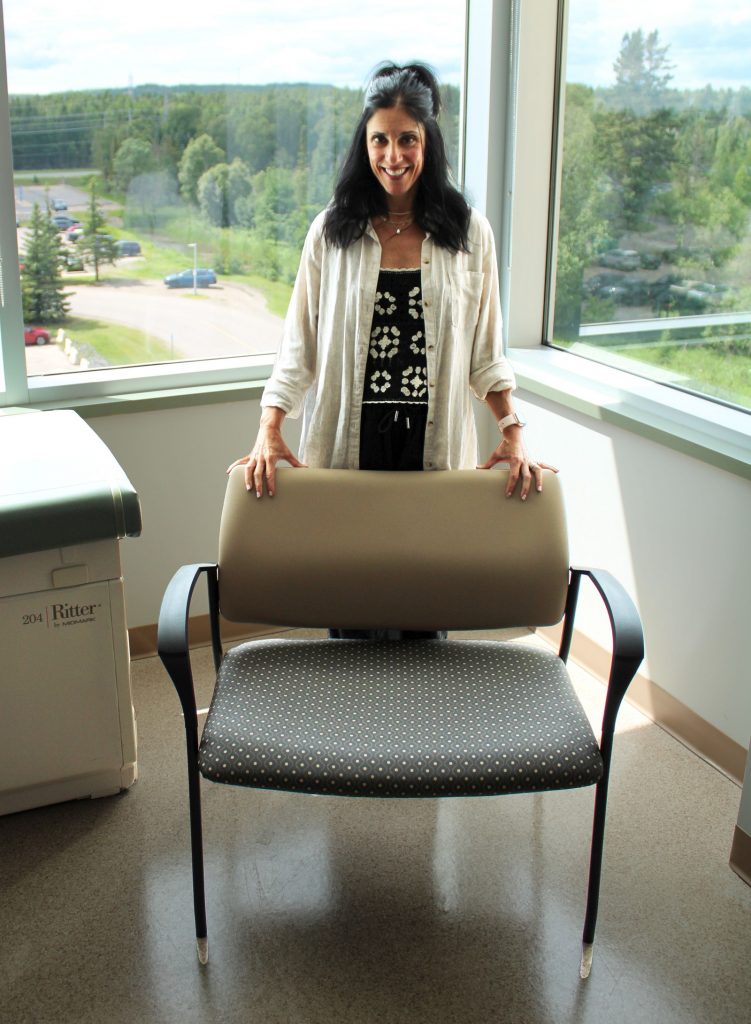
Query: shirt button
{"points": [[432, 384], [430, 423], [430, 463], [430, 348], [426, 303], [426, 261]]}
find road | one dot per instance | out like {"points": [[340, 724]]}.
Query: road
{"points": [[227, 319]]}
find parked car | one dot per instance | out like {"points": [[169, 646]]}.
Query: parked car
{"points": [[650, 260], [59, 204], [35, 336], [620, 259], [184, 278], [126, 248], [73, 261], [604, 279], [63, 221], [697, 295]]}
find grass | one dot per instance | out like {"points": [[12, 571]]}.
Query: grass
{"points": [[117, 344], [52, 177], [709, 369], [276, 293]]}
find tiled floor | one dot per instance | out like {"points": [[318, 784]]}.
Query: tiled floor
{"points": [[323, 910]]}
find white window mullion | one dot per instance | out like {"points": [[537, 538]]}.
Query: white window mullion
{"points": [[13, 386]]}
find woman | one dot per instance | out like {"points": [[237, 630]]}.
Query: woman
{"points": [[395, 316]]}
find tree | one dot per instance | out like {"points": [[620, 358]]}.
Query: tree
{"points": [[220, 188], [200, 155], [642, 73], [96, 245], [149, 195], [134, 157], [582, 228], [41, 284], [277, 206], [637, 154]]}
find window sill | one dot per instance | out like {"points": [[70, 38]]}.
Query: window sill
{"points": [[695, 426], [164, 386], [147, 401], [706, 430]]}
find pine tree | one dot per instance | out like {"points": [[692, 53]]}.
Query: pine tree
{"points": [[642, 73], [96, 246], [42, 286]]}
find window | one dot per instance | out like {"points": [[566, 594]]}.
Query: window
{"points": [[653, 245], [160, 223]]}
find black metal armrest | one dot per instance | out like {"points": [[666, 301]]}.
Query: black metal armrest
{"points": [[627, 634], [172, 632]]}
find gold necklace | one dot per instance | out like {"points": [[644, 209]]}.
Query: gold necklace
{"points": [[399, 227]]}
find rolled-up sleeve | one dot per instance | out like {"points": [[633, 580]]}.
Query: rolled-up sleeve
{"points": [[489, 370], [295, 365]]}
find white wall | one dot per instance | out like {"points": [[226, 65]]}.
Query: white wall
{"points": [[673, 529]]}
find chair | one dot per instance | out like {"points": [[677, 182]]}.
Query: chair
{"points": [[409, 719]]}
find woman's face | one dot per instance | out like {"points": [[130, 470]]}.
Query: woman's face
{"points": [[396, 150]]}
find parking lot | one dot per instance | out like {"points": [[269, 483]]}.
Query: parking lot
{"points": [[76, 199], [227, 319]]}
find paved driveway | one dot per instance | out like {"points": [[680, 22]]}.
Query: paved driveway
{"points": [[227, 319]]}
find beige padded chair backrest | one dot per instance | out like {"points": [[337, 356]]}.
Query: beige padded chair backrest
{"points": [[359, 549]]}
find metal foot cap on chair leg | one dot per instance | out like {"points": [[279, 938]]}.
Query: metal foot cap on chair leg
{"points": [[588, 951], [203, 950]]}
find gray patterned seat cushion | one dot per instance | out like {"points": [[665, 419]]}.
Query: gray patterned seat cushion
{"points": [[397, 719]]}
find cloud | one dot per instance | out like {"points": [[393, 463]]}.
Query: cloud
{"points": [[227, 41], [708, 44]]}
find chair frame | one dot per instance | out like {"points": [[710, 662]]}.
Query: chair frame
{"points": [[627, 653]]}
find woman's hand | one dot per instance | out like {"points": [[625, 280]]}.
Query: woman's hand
{"points": [[260, 464], [512, 451]]}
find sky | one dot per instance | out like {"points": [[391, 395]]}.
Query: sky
{"points": [[710, 43], [52, 46]]}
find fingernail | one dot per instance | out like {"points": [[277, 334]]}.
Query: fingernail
{"points": [[258, 494], [524, 497], [539, 487]]}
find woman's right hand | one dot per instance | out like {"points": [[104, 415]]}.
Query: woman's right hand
{"points": [[260, 463]]}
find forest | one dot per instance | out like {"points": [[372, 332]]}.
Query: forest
{"points": [[260, 160]]}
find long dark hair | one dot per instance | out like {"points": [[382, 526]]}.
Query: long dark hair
{"points": [[439, 207]]}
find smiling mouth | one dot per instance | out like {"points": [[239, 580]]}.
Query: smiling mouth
{"points": [[395, 173]]}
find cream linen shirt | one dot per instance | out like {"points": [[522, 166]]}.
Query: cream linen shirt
{"points": [[320, 367]]}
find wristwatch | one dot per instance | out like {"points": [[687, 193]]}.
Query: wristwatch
{"points": [[510, 420]]}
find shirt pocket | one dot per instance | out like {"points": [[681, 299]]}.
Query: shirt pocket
{"points": [[466, 294]]}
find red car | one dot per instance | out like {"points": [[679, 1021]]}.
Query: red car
{"points": [[35, 336]]}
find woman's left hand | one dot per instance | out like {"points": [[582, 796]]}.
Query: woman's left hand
{"points": [[521, 466]]}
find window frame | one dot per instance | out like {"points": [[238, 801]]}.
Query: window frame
{"points": [[686, 422], [510, 169]]}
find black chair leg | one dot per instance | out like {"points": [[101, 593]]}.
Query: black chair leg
{"points": [[196, 845], [595, 871]]}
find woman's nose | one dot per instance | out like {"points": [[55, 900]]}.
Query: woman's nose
{"points": [[393, 153]]}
